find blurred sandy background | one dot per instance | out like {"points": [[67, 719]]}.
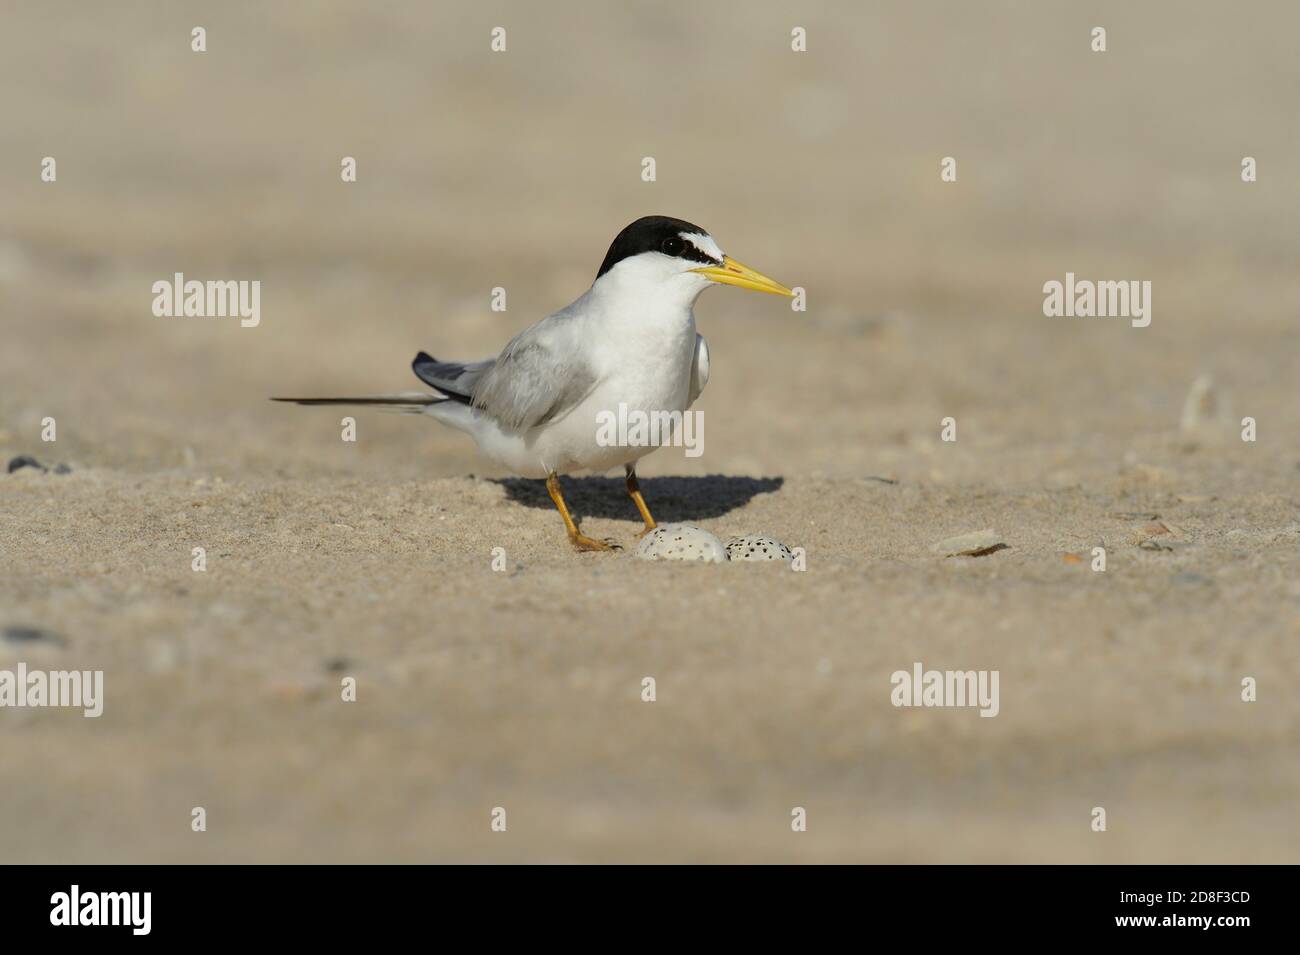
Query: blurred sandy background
{"points": [[522, 690]]}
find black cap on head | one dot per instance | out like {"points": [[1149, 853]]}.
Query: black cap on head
{"points": [[655, 234]]}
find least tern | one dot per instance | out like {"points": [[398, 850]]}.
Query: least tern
{"points": [[629, 340]]}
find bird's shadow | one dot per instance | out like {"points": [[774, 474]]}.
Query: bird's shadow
{"points": [[670, 499]]}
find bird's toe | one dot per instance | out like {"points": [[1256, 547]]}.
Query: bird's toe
{"points": [[582, 542]]}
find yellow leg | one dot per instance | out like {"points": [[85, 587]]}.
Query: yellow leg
{"points": [[578, 539], [634, 492]]}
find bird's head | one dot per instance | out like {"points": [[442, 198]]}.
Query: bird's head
{"points": [[672, 257]]}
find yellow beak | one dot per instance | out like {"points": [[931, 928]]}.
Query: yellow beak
{"points": [[734, 273]]}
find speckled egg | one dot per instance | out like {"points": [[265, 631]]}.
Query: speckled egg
{"points": [[681, 542], [757, 547]]}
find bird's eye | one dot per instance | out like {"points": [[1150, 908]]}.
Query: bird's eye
{"points": [[672, 245]]}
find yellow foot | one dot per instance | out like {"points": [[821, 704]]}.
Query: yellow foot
{"points": [[648, 529], [582, 542]]}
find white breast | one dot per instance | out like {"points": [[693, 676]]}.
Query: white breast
{"points": [[642, 366]]}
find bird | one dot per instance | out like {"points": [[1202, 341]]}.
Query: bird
{"points": [[629, 340]]}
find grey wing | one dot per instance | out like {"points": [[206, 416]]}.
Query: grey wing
{"points": [[699, 367], [539, 376]]}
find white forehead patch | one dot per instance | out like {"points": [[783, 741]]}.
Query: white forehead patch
{"points": [[704, 243]]}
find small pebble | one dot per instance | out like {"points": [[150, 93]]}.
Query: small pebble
{"points": [[1162, 544], [1205, 409], [32, 635], [25, 461], [757, 547], [1160, 535], [681, 542], [974, 544]]}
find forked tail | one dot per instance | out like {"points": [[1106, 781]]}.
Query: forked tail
{"points": [[454, 379], [413, 403]]}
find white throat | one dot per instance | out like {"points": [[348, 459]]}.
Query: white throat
{"points": [[649, 284]]}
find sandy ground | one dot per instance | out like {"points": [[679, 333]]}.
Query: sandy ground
{"points": [[522, 689]]}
